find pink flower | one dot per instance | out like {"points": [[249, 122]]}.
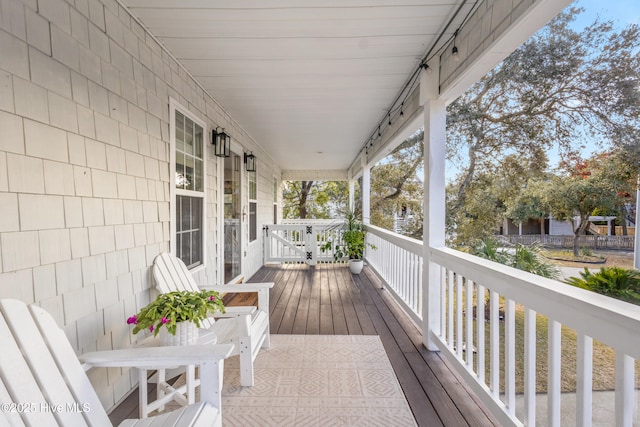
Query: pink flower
{"points": [[164, 320], [151, 328], [212, 298], [132, 320]]}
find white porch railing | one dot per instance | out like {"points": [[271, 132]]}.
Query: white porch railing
{"points": [[300, 241], [398, 261], [470, 286]]}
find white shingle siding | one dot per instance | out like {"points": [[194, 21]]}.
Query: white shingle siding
{"points": [[84, 169]]}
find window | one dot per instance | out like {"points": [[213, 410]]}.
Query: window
{"points": [[253, 206], [189, 189], [275, 200]]}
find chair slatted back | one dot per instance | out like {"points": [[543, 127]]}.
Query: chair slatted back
{"points": [[40, 371], [171, 274]]}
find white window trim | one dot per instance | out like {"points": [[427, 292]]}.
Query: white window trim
{"points": [[173, 191]]}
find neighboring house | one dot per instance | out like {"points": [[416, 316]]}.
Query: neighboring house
{"points": [[554, 227]]}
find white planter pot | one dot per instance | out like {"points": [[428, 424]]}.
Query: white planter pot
{"points": [[356, 265], [186, 334]]}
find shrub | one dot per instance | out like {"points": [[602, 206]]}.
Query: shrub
{"points": [[527, 258], [614, 282]]}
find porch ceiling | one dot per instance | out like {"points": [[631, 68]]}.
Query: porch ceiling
{"points": [[309, 80]]}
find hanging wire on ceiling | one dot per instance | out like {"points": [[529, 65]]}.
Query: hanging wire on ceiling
{"points": [[411, 83]]}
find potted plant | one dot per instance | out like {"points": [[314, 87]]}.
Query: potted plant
{"points": [[177, 315], [351, 245]]}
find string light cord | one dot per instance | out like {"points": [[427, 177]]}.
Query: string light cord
{"points": [[412, 82]]}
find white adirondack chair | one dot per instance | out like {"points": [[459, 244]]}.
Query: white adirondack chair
{"points": [[44, 384], [249, 331]]}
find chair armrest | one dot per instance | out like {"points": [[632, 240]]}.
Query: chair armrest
{"points": [[243, 287], [153, 357]]}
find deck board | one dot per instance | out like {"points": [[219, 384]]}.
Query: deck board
{"points": [[328, 299]]}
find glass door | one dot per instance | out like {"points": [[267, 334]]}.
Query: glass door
{"points": [[232, 208]]}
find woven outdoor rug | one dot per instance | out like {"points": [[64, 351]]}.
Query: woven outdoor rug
{"points": [[317, 380]]}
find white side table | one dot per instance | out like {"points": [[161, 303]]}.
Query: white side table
{"points": [[165, 392]]}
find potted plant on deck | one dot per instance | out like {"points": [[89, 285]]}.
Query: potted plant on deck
{"points": [[176, 316], [351, 245]]}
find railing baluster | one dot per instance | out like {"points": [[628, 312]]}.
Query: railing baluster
{"points": [[459, 316], [625, 381], [584, 381], [494, 349], [480, 321], [553, 383], [450, 299], [510, 355], [469, 324], [443, 302], [530, 367]]}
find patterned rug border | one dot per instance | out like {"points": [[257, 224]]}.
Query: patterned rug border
{"points": [[313, 380]]}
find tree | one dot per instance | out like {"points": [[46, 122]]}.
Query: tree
{"points": [[560, 88], [487, 199], [315, 199], [529, 204], [394, 182], [578, 196]]}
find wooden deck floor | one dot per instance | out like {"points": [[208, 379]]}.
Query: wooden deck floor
{"points": [[328, 299]]}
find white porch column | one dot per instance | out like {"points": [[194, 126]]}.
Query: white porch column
{"points": [[636, 251], [434, 200], [352, 191], [366, 194]]}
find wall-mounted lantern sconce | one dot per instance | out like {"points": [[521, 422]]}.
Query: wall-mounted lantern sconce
{"points": [[222, 142], [250, 162]]}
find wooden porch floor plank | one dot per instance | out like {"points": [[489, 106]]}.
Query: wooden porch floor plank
{"points": [[302, 314], [357, 295], [283, 293], [350, 314], [292, 304], [313, 318], [337, 306]]}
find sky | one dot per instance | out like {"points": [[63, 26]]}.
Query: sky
{"points": [[624, 12]]}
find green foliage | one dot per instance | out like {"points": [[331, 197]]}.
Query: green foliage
{"points": [[586, 252], [568, 197], [352, 243], [490, 249], [528, 258], [394, 182], [532, 259], [314, 199], [173, 307], [614, 282], [530, 203]]}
